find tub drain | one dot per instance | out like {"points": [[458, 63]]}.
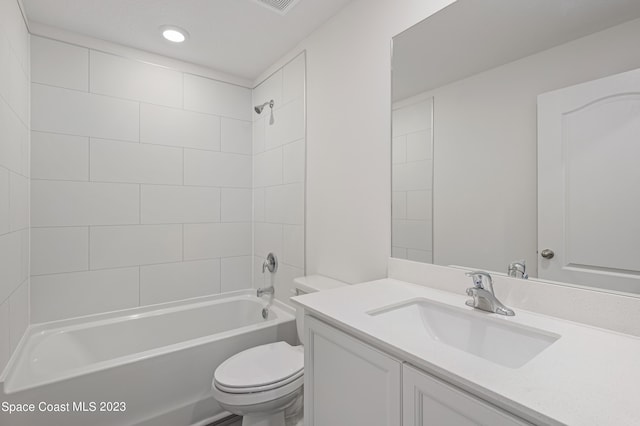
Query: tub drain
{"points": [[265, 313]]}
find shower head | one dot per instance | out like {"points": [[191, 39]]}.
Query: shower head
{"points": [[258, 108]]}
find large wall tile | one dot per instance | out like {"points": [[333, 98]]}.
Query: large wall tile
{"points": [[82, 293], [176, 281], [235, 273], [5, 336], [294, 162], [113, 161], [176, 127], [236, 136], [126, 78], [58, 203], [4, 202], [13, 137], [293, 245], [55, 250], [18, 314], [258, 204], [259, 135], [293, 79], [11, 258], [179, 204], [206, 241], [19, 201], [118, 246], [267, 168], [214, 97], [236, 205], [59, 157], [75, 113], [267, 239], [288, 125], [284, 282], [59, 64], [285, 204], [202, 168]]}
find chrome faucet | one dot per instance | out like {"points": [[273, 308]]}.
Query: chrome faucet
{"points": [[483, 296], [517, 269], [266, 290], [270, 264]]}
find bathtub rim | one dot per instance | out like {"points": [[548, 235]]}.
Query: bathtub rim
{"points": [[93, 320]]}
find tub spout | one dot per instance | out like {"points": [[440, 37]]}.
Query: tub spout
{"points": [[267, 290]]}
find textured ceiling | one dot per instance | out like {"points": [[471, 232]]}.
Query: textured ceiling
{"points": [[239, 37]]}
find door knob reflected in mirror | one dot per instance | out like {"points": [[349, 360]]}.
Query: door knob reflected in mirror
{"points": [[547, 253]]}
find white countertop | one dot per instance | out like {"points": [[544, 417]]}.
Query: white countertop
{"points": [[589, 376]]}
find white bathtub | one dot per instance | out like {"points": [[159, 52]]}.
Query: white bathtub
{"points": [[159, 362]]}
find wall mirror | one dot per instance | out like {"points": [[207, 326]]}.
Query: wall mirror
{"points": [[516, 134]]}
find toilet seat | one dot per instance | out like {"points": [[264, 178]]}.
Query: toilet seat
{"points": [[259, 369]]}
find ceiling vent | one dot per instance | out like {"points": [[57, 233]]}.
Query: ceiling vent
{"points": [[279, 6]]}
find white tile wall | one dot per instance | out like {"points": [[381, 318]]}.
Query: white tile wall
{"points": [[59, 157], [62, 203], [18, 314], [83, 293], [279, 165], [72, 112], [268, 168], [203, 168], [412, 181], [4, 205], [285, 204], [180, 204], [236, 205], [143, 183], [214, 97], [236, 273], [14, 178], [113, 161], [122, 78], [59, 64], [55, 250], [205, 241], [173, 281], [236, 136], [118, 246], [177, 127]]}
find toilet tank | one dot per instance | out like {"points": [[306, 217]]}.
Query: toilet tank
{"points": [[311, 284]]}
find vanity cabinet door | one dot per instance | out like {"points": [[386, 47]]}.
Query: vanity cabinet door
{"points": [[347, 382], [428, 401]]}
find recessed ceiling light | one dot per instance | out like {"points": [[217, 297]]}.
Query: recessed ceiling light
{"points": [[174, 34]]}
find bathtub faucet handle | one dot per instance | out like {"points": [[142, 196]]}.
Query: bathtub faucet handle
{"points": [[271, 263]]}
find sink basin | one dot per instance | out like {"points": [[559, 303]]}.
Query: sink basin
{"points": [[495, 339]]}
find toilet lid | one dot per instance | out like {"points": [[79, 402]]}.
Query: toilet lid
{"points": [[261, 366]]}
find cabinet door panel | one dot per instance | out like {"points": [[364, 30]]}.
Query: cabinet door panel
{"points": [[347, 382], [428, 401]]}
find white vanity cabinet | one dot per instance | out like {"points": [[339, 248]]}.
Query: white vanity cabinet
{"points": [[350, 383], [347, 382], [427, 401]]}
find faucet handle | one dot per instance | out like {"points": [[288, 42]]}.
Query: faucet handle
{"points": [[481, 279]]}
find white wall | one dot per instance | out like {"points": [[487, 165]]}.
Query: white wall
{"points": [[142, 183], [14, 178], [485, 175], [279, 176], [412, 180], [348, 135]]}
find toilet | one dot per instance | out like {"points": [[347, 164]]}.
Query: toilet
{"points": [[263, 383]]}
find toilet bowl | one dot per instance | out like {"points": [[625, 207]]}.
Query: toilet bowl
{"points": [[264, 383]]}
